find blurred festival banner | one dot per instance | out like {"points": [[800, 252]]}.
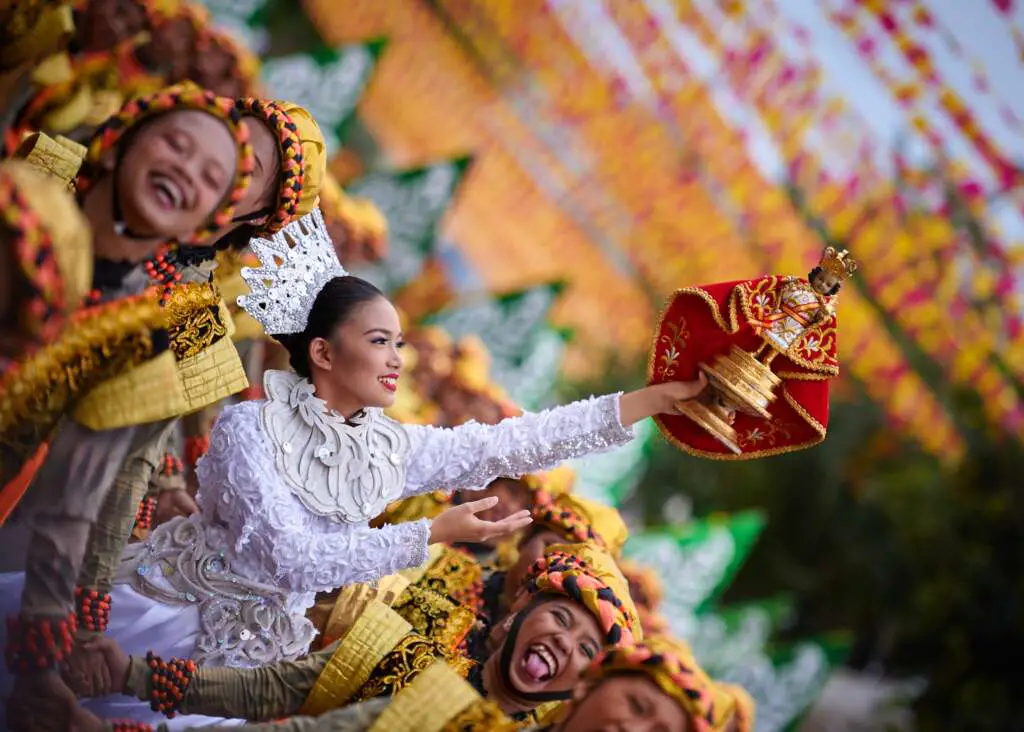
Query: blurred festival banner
{"points": [[628, 149], [551, 170]]}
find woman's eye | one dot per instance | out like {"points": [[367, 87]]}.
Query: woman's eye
{"points": [[588, 651], [635, 706], [213, 181], [176, 143], [380, 341], [562, 620], [400, 344]]}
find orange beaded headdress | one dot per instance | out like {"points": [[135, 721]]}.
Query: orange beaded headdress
{"points": [[579, 520], [291, 189], [51, 248]]}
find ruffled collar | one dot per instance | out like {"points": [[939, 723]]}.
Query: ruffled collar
{"points": [[347, 470]]}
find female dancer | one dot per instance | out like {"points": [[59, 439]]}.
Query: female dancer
{"points": [[289, 483]]}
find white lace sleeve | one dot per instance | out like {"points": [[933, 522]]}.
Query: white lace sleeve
{"points": [[473, 455], [271, 532]]}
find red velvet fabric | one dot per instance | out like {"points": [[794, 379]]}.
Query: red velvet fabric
{"points": [[701, 323]]}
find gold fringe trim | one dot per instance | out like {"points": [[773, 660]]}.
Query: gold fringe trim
{"points": [[99, 342], [813, 423], [437, 696], [373, 636]]}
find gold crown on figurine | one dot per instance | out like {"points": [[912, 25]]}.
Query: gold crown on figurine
{"points": [[837, 263]]}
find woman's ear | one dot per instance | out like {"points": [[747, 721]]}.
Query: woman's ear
{"points": [[580, 691], [108, 159], [320, 353], [499, 632]]}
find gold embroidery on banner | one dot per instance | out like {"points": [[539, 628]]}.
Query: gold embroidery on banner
{"points": [[822, 335], [674, 342]]}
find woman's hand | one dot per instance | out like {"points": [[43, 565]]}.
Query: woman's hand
{"points": [[101, 651], [658, 399], [173, 503], [461, 524]]}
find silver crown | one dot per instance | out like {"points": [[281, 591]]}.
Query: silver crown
{"points": [[295, 264]]}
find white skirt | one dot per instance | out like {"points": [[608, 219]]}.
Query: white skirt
{"points": [[138, 624]]}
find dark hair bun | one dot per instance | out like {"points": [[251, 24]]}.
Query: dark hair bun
{"points": [[335, 304]]}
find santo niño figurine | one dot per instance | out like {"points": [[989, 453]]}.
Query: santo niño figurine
{"points": [[768, 349]]}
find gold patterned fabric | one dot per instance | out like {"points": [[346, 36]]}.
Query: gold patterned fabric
{"points": [[435, 615], [410, 657], [455, 574], [208, 370], [197, 329]]}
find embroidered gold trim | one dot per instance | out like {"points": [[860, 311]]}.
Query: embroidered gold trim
{"points": [[401, 666], [814, 424], [198, 329], [435, 615]]}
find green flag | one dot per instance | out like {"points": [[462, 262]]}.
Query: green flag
{"points": [[785, 684], [329, 82], [697, 561], [526, 352], [413, 202]]}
